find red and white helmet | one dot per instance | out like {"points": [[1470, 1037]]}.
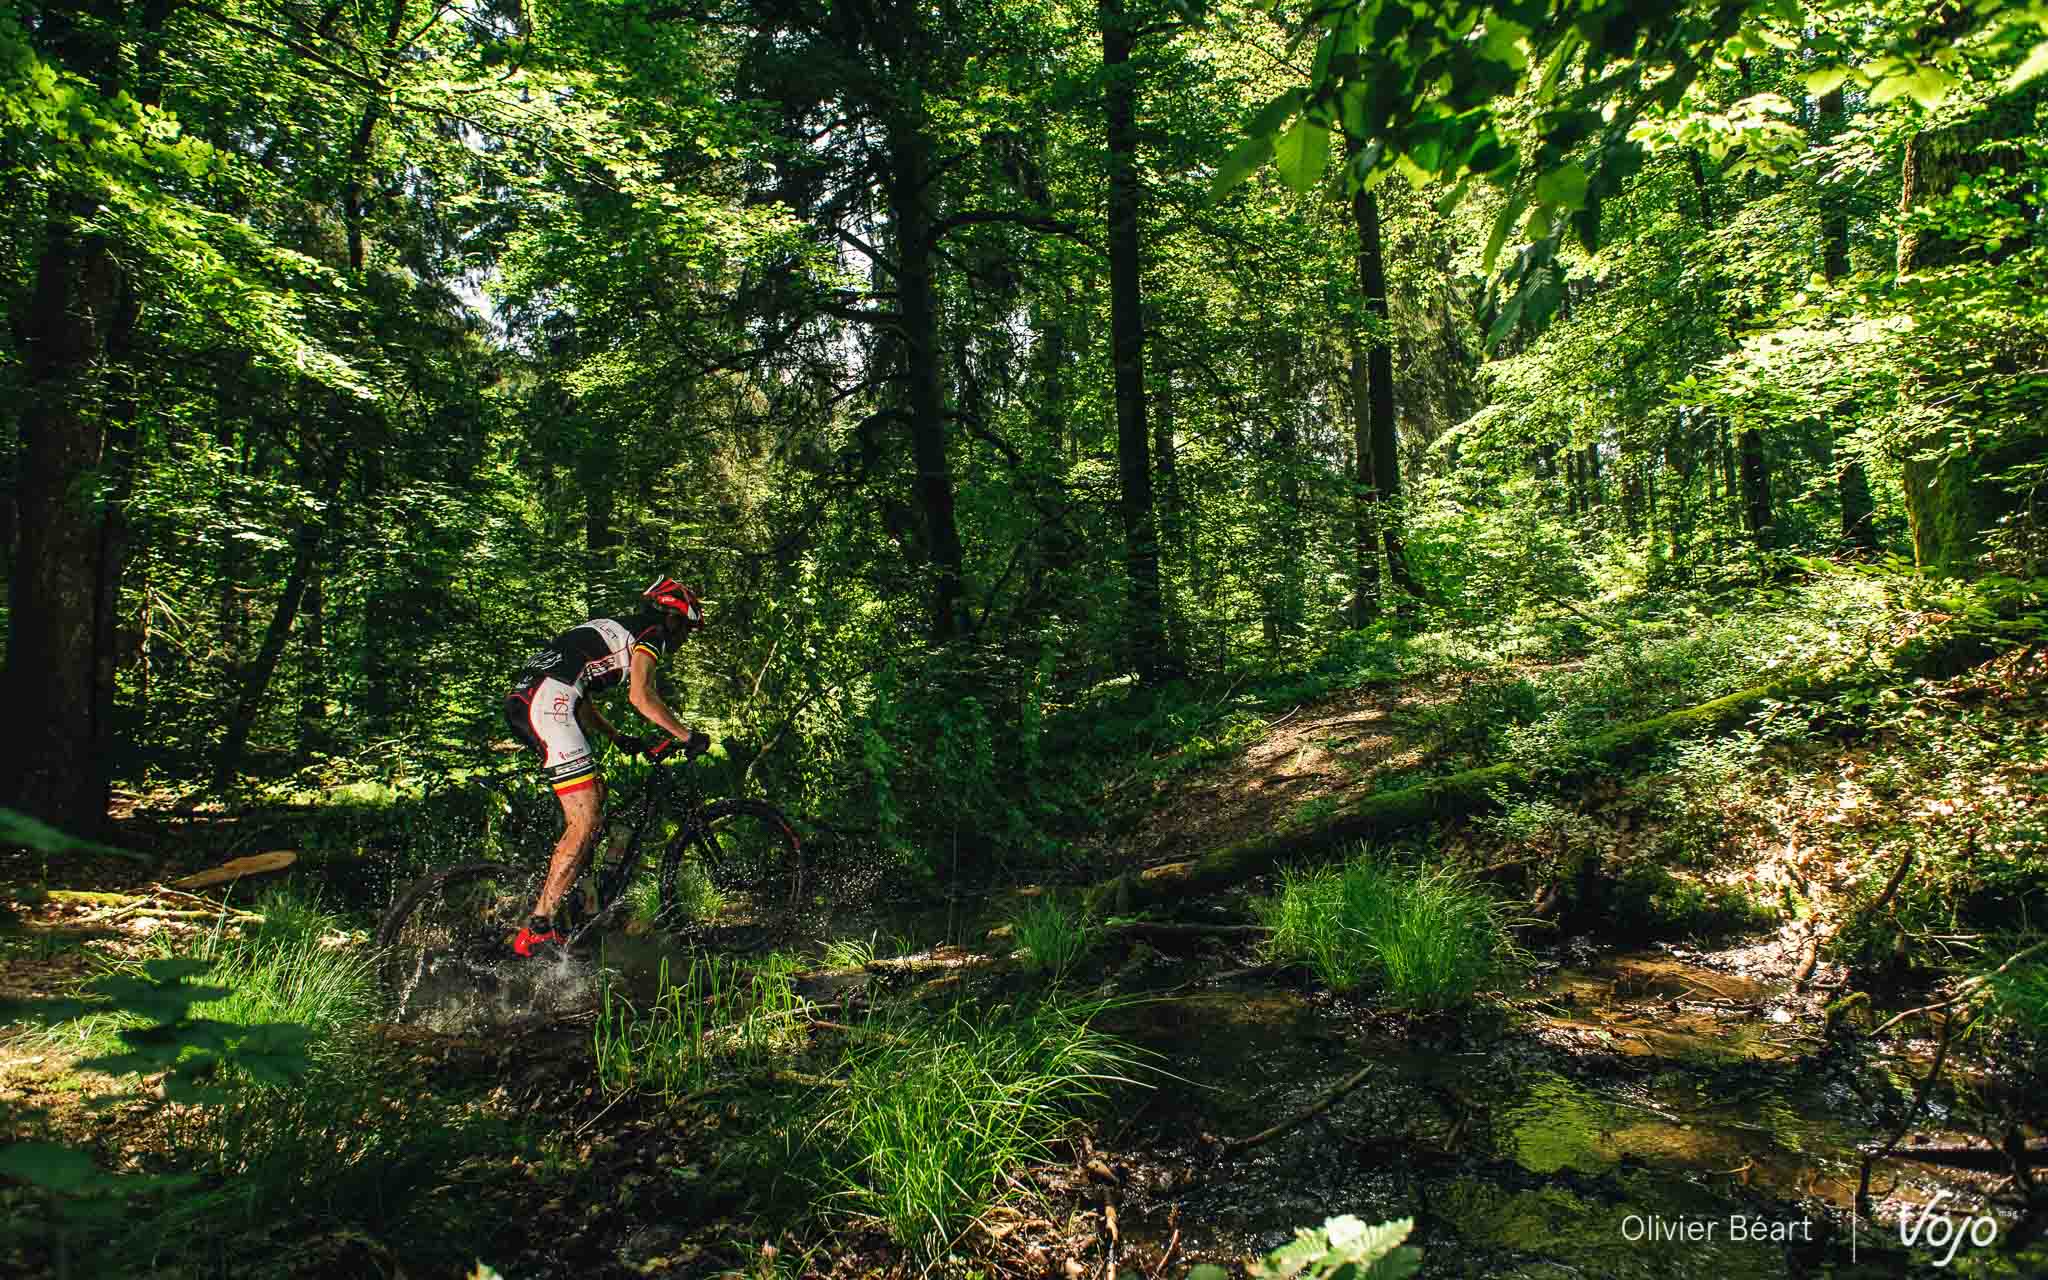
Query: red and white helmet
{"points": [[667, 593]]}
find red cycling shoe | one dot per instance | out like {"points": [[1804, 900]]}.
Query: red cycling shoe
{"points": [[533, 944]]}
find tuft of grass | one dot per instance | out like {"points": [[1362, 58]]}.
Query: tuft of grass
{"points": [[933, 1113], [850, 953], [721, 1017], [1427, 939], [1053, 936], [696, 897]]}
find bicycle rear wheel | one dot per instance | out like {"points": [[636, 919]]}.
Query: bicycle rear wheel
{"points": [[455, 924], [751, 855]]}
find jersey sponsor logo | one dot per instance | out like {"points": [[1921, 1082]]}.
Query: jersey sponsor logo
{"points": [[562, 709]]}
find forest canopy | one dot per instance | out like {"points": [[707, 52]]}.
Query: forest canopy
{"points": [[975, 360]]}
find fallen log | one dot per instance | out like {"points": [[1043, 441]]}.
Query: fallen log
{"points": [[1381, 813], [255, 864]]}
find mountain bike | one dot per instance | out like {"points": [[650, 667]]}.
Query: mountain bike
{"points": [[464, 917]]}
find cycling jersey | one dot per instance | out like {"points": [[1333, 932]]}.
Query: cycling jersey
{"points": [[599, 654], [541, 707]]}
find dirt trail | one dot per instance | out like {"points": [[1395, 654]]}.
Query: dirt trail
{"points": [[1320, 751]]}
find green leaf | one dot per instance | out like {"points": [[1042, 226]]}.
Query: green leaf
{"points": [[1268, 119], [1826, 80], [1302, 155], [1242, 161], [1564, 186], [1504, 222], [48, 1165], [2032, 69]]}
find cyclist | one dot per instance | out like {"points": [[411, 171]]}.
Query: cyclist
{"points": [[551, 711]]}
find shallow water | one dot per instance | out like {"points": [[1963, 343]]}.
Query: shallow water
{"points": [[1644, 1115]]}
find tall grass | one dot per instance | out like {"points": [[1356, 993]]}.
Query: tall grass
{"points": [[1052, 936], [298, 966], [720, 1017], [932, 1113], [1425, 939]]}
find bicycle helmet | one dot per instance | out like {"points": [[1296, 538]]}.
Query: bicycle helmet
{"points": [[667, 593]]}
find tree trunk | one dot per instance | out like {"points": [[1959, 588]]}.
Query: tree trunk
{"points": [[1756, 488], [1386, 456], [1953, 498], [1148, 653], [909, 196], [1365, 597], [68, 562], [256, 680]]}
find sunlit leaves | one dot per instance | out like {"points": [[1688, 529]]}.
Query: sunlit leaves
{"points": [[1302, 154]]}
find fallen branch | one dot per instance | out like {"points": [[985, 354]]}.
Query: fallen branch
{"points": [[1979, 1159], [1168, 932], [255, 864], [1964, 991], [1349, 1083]]}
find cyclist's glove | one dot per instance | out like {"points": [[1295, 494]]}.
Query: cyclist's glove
{"points": [[633, 746], [696, 744]]}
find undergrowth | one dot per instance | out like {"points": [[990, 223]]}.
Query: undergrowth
{"points": [[1422, 939], [932, 1112]]}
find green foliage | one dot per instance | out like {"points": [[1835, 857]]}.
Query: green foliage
{"points": [[934, 1112], [1053, 935], [1423, 940], [1653, 902], [289, 986], [2020, 996], [1341, 1249], [722, 1017]]}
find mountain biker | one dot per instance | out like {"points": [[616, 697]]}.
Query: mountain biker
{"points": [[550, 710]]}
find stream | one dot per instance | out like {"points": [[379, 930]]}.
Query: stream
{"points": [[1645, 1114], [1658, 1113]]}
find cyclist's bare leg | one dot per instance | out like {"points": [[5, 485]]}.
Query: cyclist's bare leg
{"points": [[580, 813]]}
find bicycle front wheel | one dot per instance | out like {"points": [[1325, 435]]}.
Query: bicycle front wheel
{"points": [[450, 926], [751, 856]]}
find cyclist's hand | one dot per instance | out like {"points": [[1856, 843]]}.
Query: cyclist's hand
{"points": [[635, 746], [696, 744]]}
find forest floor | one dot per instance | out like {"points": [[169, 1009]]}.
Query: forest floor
{"points": [[1660, 1051]]}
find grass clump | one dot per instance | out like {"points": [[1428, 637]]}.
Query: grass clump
{"points": [[932, 1113], [696, 897], [298, 966], [720, 1018], [1426, 939], [1053, 936]]}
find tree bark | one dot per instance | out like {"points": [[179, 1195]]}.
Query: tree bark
{"points": [[1148, 652], [1756, 488], [909, 205], [1365, 596], [1386, 455], [58, 589], [1953, 498]]}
